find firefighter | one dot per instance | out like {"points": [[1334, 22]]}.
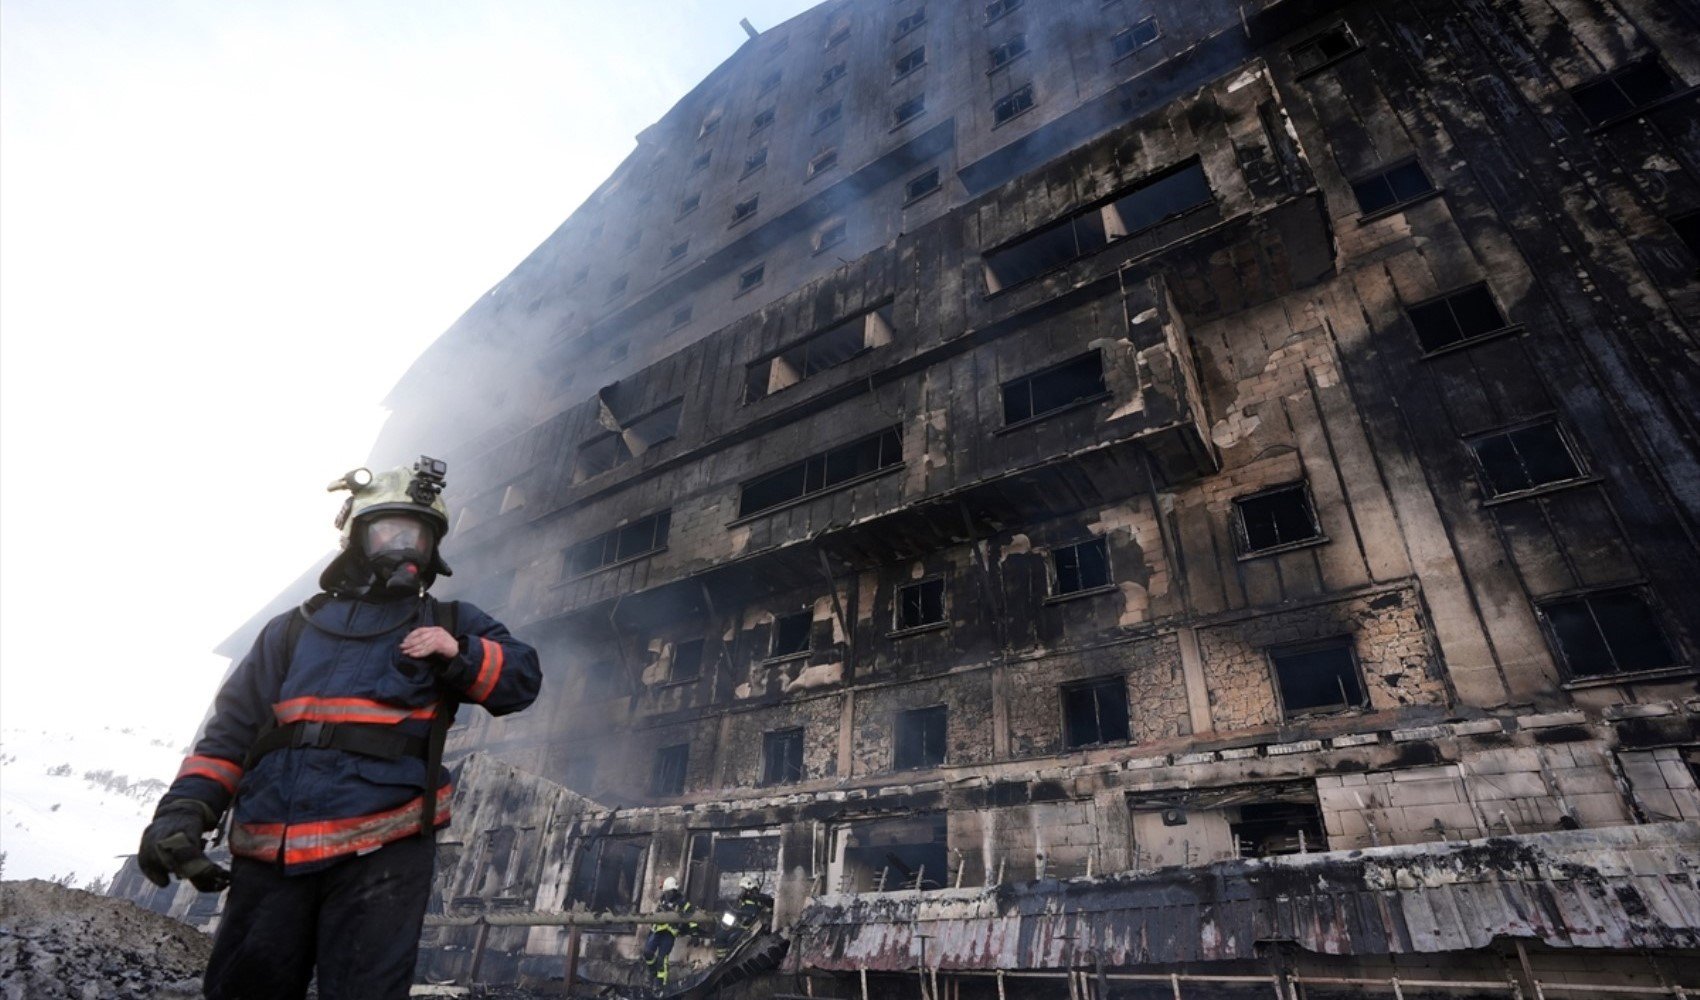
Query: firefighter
{"points": [[659, 945], [328, 737], [748, 915]]}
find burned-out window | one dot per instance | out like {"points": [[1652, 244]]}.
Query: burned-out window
{"points": [[998, 8], [689, 204], [819, 351], [746, 209], [639, 538], [1276, 518], [1132, 211], [653, 428], [782, 757], [751, 278], [598, 455], [909, 110], [921, 185], [910, 22], [611, 450], [1267, 829], [606, 874], [677, 251], [891, 855], [818, 473], [830, 235], [687, 662], [1053, 389], [790, 635], [1317, 677], [1004, 54], [920, 604], [825, 160], [720, 860], [1324, 49], [920, 738], [762, 119], [1389, 188], [1095, 712], [1687, 229], [1607, 632], [1080, 567], [1131, 40], [755, 161], [1524, 459], [1624, 91], [1012, 104], [832, 74], [1456, 317], [829, 114], [909, 62], [668, 778]]}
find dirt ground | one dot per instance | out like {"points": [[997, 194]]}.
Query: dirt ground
{"points": [[66, 943]]}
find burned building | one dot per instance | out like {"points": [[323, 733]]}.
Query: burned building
{"points": [[1089, 496]]}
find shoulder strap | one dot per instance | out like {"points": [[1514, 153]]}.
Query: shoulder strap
{"points": [[446, 614]]}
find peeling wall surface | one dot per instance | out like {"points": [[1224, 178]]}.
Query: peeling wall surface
{"points": [[1211, 433]]}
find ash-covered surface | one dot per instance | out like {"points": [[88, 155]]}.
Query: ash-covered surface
{"points": [[65, 943]]}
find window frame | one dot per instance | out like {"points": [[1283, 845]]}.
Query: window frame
{"points": [[910, 198], [1053, 575], [1506, 325], [1131, 32], [1313, 40], [673, 661], [1397, 206], [1492, 499], [1031, 98], [995, 65], [816, 168], [898, 741], [820, 244], [774, 654], [1611, 77], [741, 213], [1346, 642], [943, 621], [747, 284], [773, 739], [664, 757], [1034, 416], [1095, 684], [918, 104], [1004, 9], [884, 469], [569, 574], [1242, 536], [1573, 679], [911, 23]]}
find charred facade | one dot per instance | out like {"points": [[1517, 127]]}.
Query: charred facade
{"points": [[1110, 489]]}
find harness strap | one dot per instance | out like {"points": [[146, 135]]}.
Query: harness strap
{"points": [[367, 739], [445, 615]]}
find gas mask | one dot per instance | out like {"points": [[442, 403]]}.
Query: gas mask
{"points": [[397, 548]]}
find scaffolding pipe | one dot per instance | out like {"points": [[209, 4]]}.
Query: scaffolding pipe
{"points": [[575, 919]]}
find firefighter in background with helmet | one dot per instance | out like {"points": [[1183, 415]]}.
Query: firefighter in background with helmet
{"points": [[749, 915], [659, 944], [328, 737]]}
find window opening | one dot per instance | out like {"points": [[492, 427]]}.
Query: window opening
{"points": [[715, 871], [920, 604], [709, 124], [755, 161], [580, 275], [824, 471], [830, 75], [839, 36], [1607, 632], [1524, 459], [830, 235], [1053, 389], [702, 160], [790, 634], [1392, 187], [827, 349], [782, 757], [1688, 230], [689, 204], [1004, 54], [1095, 712], [634, 438], [921, 185], [687, 661], [639, 538], [1130, 40], [1079, 567], [920, 739], [1014, 104], [1317, 678], [1276, 518], [1133, 211], [1267, 829], [910, 110], [998, 8], [681, 316], [676, 252], [909, 23], [910, 61], [607, 873], [829, 114], [1455, 318], [1331, 45], [1624, 91], [823, 162], [745, 209], [890, 855], [762, 119], [632, 241], [668, 778], [751, 278], [768, 83]]}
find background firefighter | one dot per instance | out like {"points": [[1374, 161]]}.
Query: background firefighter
{"points": [[328, 739], [659, 944]]}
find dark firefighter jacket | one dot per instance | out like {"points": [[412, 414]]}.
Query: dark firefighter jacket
{"points": [[308, 806]]}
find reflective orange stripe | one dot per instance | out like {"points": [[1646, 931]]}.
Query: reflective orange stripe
{"points": [[346, 710], [302, 843], [226, 773], [489, 671]]}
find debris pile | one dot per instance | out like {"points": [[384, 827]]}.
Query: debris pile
{"points": [[58, 943]]}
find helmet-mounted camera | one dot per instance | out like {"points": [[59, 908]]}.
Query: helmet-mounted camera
{"points": [[428, 480]]}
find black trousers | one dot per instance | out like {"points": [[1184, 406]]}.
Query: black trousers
{"points": [[357, 922]]}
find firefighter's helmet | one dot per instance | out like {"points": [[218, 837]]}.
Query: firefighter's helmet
{"points": [[669, 884], [401, 490], [748, 883]]}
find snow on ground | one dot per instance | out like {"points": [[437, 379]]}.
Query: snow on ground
{"points": [[73, 802]]}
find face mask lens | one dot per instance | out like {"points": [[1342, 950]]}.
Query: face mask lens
{"points": [[396, 533]]}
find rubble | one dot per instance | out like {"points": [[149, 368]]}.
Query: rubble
{"points": [[58, 943]]}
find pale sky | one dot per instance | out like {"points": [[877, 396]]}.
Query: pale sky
{"points": [[225, 231]]}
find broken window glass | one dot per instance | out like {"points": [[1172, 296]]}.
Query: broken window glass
{"points": [[1095, 711], [791, 634], [668, 778], [782, 757], [1129, 213], [1276, 518], [1391, 187], [687, 662], [1527, 458], [1085, 566], [1607, 632], [830, 235], [1624, 91], [920, 738], [607, 872], [1332, 44], [824, 471], [1457, 317], [1316, 678], [818, 352], [598, 455], [1012, 104], [890, 855], [1054, 388], [920, 604]]}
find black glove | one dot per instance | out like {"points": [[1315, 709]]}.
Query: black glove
{"points": [[171, 845]]}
